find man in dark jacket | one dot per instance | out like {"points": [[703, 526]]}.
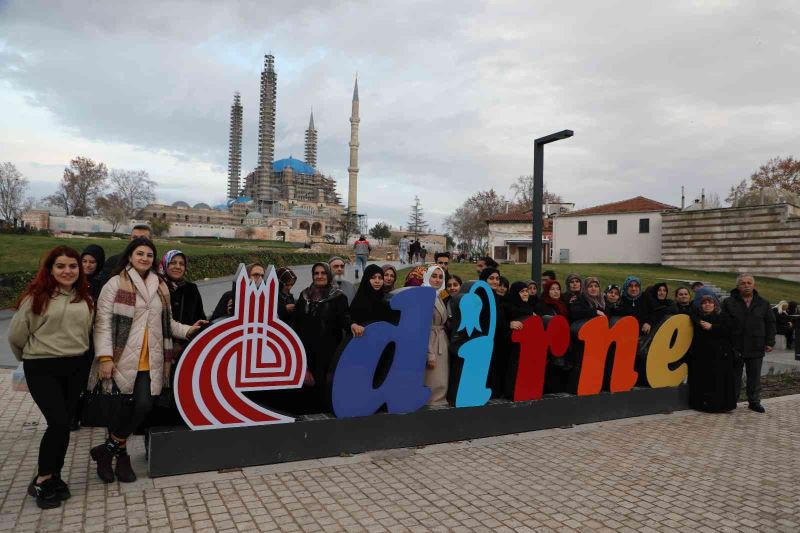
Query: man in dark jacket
{"points": [[753, 335]]}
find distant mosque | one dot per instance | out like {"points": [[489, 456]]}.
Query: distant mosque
{"points": [[287, 199], [289, 194]]}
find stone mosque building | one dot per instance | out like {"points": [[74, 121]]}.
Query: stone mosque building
{"points": [[285, 199]]}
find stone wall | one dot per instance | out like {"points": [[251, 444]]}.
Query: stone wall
{"points": [[763, 240]]}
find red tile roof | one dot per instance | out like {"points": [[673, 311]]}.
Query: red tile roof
{"points": [[520, 217], [640, 204]]}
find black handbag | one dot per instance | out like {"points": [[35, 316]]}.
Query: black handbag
{"points": [[103, 409]]}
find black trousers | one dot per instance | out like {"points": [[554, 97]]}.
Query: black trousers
{"points": [[142, 405], [55, 385], [752, 366]]}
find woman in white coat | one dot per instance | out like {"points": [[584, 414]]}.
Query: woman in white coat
{"points": [[438, 368], [133, 335]]}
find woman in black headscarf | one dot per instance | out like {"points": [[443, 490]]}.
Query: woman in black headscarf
{"points": [[712, 379], [286, 302], [502, 335], [657, 306], [369, 304], [93, 258], [321, 318]]}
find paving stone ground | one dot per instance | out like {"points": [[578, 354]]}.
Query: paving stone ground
{"points": [[685, 471]]}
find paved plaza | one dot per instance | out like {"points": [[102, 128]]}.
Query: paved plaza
{"points": [[684, 471]]}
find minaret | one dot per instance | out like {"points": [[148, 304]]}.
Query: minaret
{"points": [[266, 128], [352, 204], [235, 148], [311, 142]]}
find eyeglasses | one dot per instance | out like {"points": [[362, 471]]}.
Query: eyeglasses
{"points": [[256, 275]]}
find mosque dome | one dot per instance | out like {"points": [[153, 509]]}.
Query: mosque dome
{"points": [[201, 205], [254, 215], [181, 203], [301, 167]]}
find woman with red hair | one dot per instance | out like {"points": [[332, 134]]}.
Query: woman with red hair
{"points": [[49, 333]]}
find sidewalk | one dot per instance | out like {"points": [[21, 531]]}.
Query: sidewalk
{"points": [[685, 471]]}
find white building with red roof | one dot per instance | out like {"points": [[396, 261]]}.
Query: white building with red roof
{"points": [[628, 231]]}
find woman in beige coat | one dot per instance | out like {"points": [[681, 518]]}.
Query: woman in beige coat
{"points": [[438, 368], [133, 348]]}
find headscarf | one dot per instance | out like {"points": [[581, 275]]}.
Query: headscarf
{"points": [[628, 281], [530, 282], [314, 294], [285, 275], [368, 304], [597, 302], [609, 305], [426, 279], [516, 308], [99, 256], [164, 264], [334, 258], [571, 277], [486, 272], [393, 269], [414, 276], [552, 302], [698, 298]]}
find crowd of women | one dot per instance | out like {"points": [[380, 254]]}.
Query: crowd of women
{"points": [[78, 330]]}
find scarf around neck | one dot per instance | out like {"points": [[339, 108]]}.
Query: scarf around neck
{"points": [[123, 310]]}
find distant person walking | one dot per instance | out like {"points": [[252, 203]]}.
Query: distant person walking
{"points": [[413, 251], [49, 333], [753, 335], [402, 248], [361, 248]]}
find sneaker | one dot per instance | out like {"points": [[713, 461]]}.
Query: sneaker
{"points": [[757, 407], [45, 494]]}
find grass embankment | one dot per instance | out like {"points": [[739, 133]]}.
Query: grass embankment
{"points": [[22, 252], [208, 258], [772, 289]]}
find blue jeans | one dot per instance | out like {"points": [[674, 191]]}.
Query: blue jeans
{"points": [[362, 261]]}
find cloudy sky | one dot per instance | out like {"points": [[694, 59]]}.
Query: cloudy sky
{"points": [[659, 94]]}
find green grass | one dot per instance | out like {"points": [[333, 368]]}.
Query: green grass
{"points": [[772, 289], [23, 252]]}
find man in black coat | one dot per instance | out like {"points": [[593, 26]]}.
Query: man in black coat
{"points": [[753, 335]]}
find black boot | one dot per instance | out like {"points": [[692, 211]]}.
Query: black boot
{"points": [[104, 455], [45, 493], [61, 488], [124, 471], [757, 407]]}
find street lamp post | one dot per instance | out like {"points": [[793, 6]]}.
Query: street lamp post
{"points": [[538, 192]]}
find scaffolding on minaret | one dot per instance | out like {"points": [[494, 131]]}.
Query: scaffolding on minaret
{"points": [[311, 142], [266, 130], [235, 148]]}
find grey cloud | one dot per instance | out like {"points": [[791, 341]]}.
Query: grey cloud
{"points": [[452, 93]]}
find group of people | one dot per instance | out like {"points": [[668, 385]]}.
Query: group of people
{"points": [[411, 251], [121, 323], [118, 324]]}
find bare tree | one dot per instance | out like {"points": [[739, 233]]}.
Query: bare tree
{"points": [[12, 191], [112, 208], [134, 188], [736, 192], [468, 222], [82, 183], [779, 172], [523, 194]]}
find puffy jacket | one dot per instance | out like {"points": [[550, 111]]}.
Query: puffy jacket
{"points": [[362, 247], [147, 313], [754, 326]]}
